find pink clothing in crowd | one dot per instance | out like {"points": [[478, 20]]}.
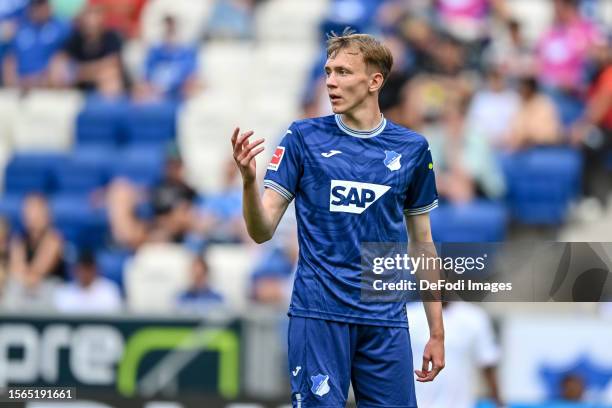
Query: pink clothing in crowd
{"points": [[562, 53], [463, 9], [465, 19]]}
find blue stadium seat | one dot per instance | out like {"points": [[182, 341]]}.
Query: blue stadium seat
{"points": [[478, 221], [101, 123], [78, 221], [32, 172], [541, 184], [102, 157], [143, 165], [150, 123], [77, 175], [111, 262]]}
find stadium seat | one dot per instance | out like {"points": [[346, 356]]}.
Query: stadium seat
{"points": [[78, 176], [31, 172], [292, 20], [230, 269], [541, 184], [143, 165], [204, 129], [111, 264], [289, 73], [102, 157], [101, 123], [221, 63], [43, 123], [151, 123], [9, 106], [155, 276], [79, 221], [478, 221]]}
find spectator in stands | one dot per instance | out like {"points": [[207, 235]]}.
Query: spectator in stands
{"points": [[231, 19], [562, 55], [172, 203], [173, 200], [170, 68], [446, 81], [38, 253], [36, 263], [469, 22], [10, 13], [470, 344], [89, 292], [511, 53], [593, 132], [465, 165], [536, 122], [493, 107], [199, 296], [128, 230], [94, 53], [419, 35], [121, 16], [37, 39]]}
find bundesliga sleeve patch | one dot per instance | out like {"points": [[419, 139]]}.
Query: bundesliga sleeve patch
{"points": [[277, 157]]}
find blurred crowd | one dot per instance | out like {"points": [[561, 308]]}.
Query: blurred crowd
{"points": [[77, 44], [63, 43], [466, 75]]}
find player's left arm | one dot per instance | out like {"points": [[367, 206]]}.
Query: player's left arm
{"points": [[421, 243]]}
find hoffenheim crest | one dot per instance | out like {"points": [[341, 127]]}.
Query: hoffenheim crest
{"points": [[320, 384], [392, 160]]}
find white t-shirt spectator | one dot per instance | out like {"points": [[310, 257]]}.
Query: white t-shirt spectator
{"points": [[469, 345], [492, 112], [102, 296]]}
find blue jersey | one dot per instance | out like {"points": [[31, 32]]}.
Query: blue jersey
{"points": [[168, 67], [35, 44], [349, 187]]}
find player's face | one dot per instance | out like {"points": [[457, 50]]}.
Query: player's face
{"points": [[347, 80]]}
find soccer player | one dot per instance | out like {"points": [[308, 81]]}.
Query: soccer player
{"points": [[354, 176]]}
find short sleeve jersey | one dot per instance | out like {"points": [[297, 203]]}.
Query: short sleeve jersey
{"points": [[350, 187]]}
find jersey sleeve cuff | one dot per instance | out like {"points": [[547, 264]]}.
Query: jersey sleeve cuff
{"points": [[421, 210], [279, 189]]}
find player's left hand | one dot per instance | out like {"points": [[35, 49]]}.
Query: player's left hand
{"points": [[434, 356]]}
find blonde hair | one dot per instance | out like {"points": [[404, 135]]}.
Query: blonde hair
{"points": [[375, 54]]}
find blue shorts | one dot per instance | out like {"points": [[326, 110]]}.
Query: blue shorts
{"points": [[325, 356]]}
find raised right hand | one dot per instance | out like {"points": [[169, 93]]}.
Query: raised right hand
{"points": [[245, 153]]}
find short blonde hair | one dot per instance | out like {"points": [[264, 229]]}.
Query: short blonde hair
{"points": [[375, 54]]}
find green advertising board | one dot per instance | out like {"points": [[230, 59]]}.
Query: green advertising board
{"points": [[128, 357]]}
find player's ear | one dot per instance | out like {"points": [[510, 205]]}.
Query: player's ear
{"points": [[376, 81]]}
